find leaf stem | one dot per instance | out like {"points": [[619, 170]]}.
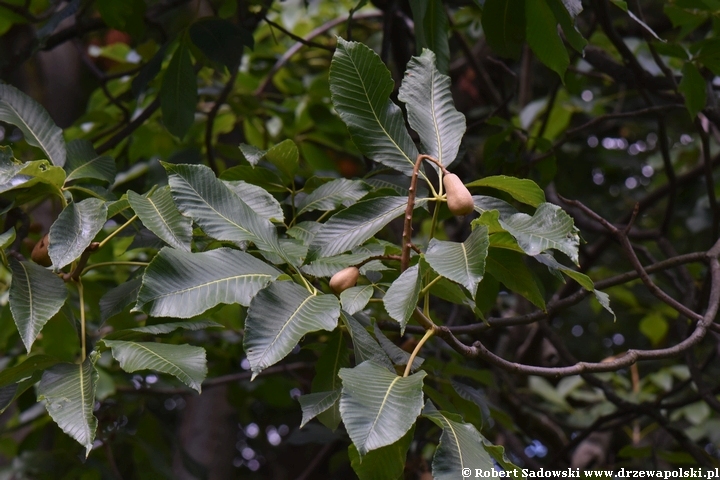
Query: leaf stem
{"points": [[117, 230], [427, 287], [429, 333], [81, 295]]}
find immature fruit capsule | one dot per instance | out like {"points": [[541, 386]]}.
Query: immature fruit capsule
{"points": [[39, 254], [459, 200], [344, 279]]}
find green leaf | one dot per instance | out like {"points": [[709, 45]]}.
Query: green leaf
{"points": [[431, 30], [365, 346], [116, 299], [431, 112], [252, 154], [127, 16], [181, 284], [622, 5], [69, 393], [385, 463], [333, 194], [361, 85], [461, 446], [582, 279], [163, 328], [378, 407], [692, 86], [216, 209], [279, 316], [654, 326], [503, 22], [160, 215], [33, 120], [565, 12], [401, 298], [313, 404], [509, 268], [286, 157], [397, 355], [356, 224], [550, 227], [40, 174], [83, 162], [178, 93], [329, 266], [521, 189], [7, 238], [32, 364], [355, 299], [220, 40], [542, 36], [36, 295], [74, 230], [258, 199], [304, 231], [185, 362], [463, 263], [335, 356]]}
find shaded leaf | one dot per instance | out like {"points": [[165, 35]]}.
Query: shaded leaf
{"points": [[401, 298], [74, 230], [182, 285], [33, 120], [384, 463], [378, 407], [178, 93], [463, 263], [279, 316], [335, 356], [116, 299], [504, 25], [185, 362], [692, 86], [398, 356], [286, 157], [431, 30], [376, 125], [542, 36], [36, 295], [69, 393], [160, 215], [431, 112], [163, 328], [565, 12], [32, 364], [329, 266], [82, 162], [220, 40], [365, 346], [509, 268]]}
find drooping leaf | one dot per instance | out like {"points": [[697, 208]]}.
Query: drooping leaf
{"points": [[36, 295], [509, 268], [279, 316], [565, 12], [384, 463], [313, 404], [582, 279], [82, 162], [148, 72], [178, 92], [522, 189], [692, 86], [542, 36], [74, 230], [356, 224], [116, 299], [431, 112], [365, 346], [550, 227], [463, 263], [258, 199], [33, 179], [335, 356], [355, 299], [216, 209], [361, 85], [397, 355], [68, 390], [220, 40], [32, 364], [33, 120], [180, 284], [401, 298], [160, 215], [333, 194], [185, 362], [504, 25], [431, 30], [461, 446], [378, 407]]}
